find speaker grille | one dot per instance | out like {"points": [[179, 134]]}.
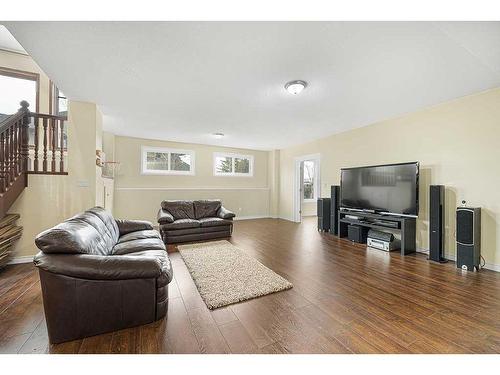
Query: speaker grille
{"points": [[465, 226]]}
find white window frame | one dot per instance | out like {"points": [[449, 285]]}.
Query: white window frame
{"points": [[145, 171], [233, 156]]}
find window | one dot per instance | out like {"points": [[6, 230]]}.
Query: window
{"points": [[20, 86], [59, 107], [60, 103], [157, 160], [233, 165], [309, 180]]}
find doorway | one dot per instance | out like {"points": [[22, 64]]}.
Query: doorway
{"points": [[307, 186]]}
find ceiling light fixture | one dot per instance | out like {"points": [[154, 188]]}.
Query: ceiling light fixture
{"points": [[295, 87], [218, 135]]}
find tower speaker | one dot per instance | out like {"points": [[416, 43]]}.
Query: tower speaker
{"points": [[436, 223], [334, 209], [324, 214], [468, 238]]}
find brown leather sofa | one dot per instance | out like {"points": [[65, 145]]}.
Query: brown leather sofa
{"points": [[99, 275], [185, 221]]}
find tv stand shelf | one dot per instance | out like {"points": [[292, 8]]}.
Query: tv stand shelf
{"points": [[405, 225]]}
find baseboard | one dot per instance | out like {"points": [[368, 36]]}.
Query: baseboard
{"points": [[251, 217], [452, 257], [19, 260]]}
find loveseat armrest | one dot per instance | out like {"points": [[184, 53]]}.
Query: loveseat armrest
{"points": [[224, 213], [128, 226], [96, 267], [164, 217]]}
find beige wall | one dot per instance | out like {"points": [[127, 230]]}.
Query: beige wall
{"points": [[457, 144], [139, 196], [108, 146], [273, 167]]}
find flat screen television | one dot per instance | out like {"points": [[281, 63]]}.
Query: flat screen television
{"points": [[391, 188]]}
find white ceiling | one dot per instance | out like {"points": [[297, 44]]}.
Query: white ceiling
{"points": [[183, 81], [8, 42]]}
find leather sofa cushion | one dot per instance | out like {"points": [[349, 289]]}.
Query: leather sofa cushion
{"points": [[139, 235], [138, 245], [214, 221], [128, 226], [199, 236], [182, 224], [84, 233], [108, 220], [180, 232], [164, 217], [161, 256], [206, 208], [179, 209], [144, 264]]}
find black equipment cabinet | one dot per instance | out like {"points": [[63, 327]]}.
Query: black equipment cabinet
{"points": [[405, 225]]}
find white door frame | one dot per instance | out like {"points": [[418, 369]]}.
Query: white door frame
{"points": [[297, 196]]}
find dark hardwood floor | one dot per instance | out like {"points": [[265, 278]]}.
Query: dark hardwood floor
{"points": [[345, 299]]}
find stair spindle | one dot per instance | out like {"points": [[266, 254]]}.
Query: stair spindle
{"points": [[15, 168], [2, 163], [44, 164], [7, 158], [11, 154], [53, 130], [35, 160], [61, 161]]}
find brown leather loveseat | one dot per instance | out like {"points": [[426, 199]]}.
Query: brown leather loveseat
{"points": [[99, 275], [183, 221]]}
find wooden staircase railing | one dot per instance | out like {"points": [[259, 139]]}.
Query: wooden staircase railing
{"points": [[44, 152]]}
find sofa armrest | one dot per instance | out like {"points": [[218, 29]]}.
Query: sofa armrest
{"points": [[224, 213], [128, 226], [96, 267], [164, 217]]}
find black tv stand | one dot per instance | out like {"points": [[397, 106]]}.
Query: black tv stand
{"points": [[405, 225]]}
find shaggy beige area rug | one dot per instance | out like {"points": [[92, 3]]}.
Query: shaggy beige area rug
{"points": [[225, 274]]}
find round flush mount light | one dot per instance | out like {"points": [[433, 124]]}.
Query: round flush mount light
{"points": [[218, 135], [295, 87]]}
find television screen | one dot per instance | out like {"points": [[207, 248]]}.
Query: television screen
{"points": [[385, 188]]}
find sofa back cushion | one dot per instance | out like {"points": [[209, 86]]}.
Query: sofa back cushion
{"points": [[91, 232], [206, 208], [179, 209]]}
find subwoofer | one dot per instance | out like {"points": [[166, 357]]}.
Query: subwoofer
{"points": [[334, 210], [324, 214], [436, 223], [468, 238]]}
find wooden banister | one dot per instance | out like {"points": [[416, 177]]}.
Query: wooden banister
{"points": [[16, 151], [19, 156]]}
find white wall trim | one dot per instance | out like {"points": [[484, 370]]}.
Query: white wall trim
{"points": [[19, 260], [251, 217], [452, 257], [190, 188]]}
